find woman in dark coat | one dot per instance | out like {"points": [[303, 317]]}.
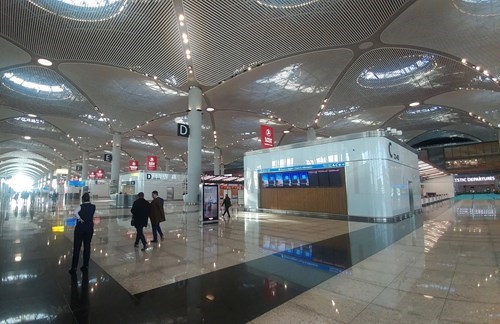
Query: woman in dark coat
{"points": [[84, 230], [140, 214]]}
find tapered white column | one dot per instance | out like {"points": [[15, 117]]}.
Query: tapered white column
{"points": [[311, 134], [216, 161], [70, 173], [115, 162], [85, 165], [167, 165], [194, 145]]}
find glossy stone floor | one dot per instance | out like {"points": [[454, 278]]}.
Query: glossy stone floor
{"points": [[255, 267]]}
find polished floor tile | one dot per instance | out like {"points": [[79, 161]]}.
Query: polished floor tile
{"points": [[438, 267]]}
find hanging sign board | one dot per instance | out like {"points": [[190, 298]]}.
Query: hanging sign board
{"points": [[266, 136], [151, 162], [133, 165]]}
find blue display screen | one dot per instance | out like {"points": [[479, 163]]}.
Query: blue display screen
{"points": [[303, 179]]}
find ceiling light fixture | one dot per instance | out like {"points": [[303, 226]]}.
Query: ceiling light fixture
{"points": [[210, 109], [27, 137], [414, 104], [44, 62], [32, 115], [286, 131]]}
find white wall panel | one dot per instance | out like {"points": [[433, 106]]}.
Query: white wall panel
{"points": [[378, 170]]}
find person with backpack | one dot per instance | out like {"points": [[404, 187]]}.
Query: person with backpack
{"points": [[157, 216], [226, 203]]}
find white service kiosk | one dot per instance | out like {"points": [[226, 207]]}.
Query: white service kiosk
{"points": [[381, 177]]}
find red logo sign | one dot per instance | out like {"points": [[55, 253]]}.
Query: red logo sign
{"points": [[151, 162], [266, 136], [99, 174], [92, 175], [133, 165]]}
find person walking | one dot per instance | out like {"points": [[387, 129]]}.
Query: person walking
{"points": [[157, 216], [226, 203], [140, 213], [84, 230]]}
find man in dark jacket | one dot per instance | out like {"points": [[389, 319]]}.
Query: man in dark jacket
{"points": [[226, 203], [157, 216], [140, 213], [84, 230]]}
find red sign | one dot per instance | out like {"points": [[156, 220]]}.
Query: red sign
{"points": [[92, 175], [151, 162], [266, 136], [99, 174], [133, 165]]}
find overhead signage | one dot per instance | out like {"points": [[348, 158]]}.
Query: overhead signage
{"points": [[92, 175], [471, 179], [78, 168], [61, 171], [133, 165], [307, 167], [266, 136], [108, 157], [99, 174], [183, 130], [151, 162]]}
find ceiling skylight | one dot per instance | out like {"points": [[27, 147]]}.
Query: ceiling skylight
{"points": [[401, 71], [144, 141], [293, 78], [285, 4], [32, 123], [82, 10], [37, 82]]}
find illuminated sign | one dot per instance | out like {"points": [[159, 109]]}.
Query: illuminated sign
{"points": [[133, 165], [475, 179], [266, 136], [151, 162]]}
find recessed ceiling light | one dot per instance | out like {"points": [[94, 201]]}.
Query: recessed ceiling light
{"points": [[27, 137], [32, 115], [414, 104], [150, 134], [210, 109], [286, 131], [44, 62]]}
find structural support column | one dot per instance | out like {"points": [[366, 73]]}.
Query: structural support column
{"points": [[222, 169], [167, 165], [216, 161], [115, 162], [311, 134], [194, 145], [85, 165], [70, 174]]}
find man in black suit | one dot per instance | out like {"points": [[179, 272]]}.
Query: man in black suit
{"points": [[140, 214], [84, 230]]}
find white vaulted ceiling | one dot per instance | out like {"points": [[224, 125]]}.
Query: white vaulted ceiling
{"points": [[338, 66]]}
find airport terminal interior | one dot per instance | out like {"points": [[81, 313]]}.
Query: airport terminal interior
{"points": [[358, 141]]}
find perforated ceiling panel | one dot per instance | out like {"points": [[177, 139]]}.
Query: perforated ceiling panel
{"points": [[138, 35], [466, 28], [261, 31], [399, 76]]}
